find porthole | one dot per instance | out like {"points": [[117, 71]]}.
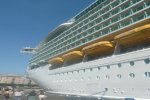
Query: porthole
{"points": [[119, 65], [83, 70], [108, 67], [131, 63], [91, 69], [132, 75], [119, 76], [98, 77], [147, 61], [147, 74], [107, 77]]}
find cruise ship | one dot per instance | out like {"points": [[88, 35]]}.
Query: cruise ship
{"points": [[103, 52]]}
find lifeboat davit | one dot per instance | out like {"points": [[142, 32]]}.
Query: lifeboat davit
{"points": [[134, 37], [73, 56], [103, 47]]}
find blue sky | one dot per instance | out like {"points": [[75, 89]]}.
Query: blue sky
{"points": [[25, 23]]}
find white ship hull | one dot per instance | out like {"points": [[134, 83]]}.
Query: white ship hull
{"points": [[118, 76]]}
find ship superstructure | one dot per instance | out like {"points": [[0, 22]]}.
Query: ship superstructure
{"points": [[103, 51]]}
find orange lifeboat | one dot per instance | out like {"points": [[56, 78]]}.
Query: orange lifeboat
{"points": [[103, 47], [57, 60], [73, 56], [134, 37]]}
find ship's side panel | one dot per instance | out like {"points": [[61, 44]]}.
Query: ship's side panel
{"points": [[125, 75]]}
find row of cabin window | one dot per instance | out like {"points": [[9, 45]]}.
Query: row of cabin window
{"points": [[105, 31], [81, 29], [131, 75], [72, 44], [116, 11], [69, 31], [131, 63], [88, 25], [100, 12], [92, 23]]}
